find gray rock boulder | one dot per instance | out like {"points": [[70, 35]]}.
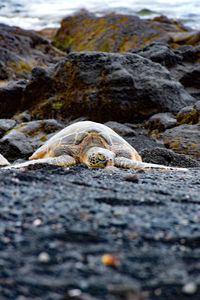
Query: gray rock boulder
{"points": [[106, 86], [168, 158], [161, 53], [5, 125], [189, 114], [184, 139], [182, 63], [25, 138], [121, 129], [11, 97], [161, 122], [21, 50]]}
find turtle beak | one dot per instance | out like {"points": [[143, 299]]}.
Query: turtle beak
{"points": [[102, 164], [109, 163]]}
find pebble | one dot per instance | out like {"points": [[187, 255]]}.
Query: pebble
{"points": [[111, 170], [44, 257], [37, 222], [189, 288], [74, 293], [131, 178], [110, 260]]}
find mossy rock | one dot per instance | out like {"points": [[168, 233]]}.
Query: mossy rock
{"points": [[22, 140], [189, 115], [103, 86], [160, 122], [85, 31], [21, 50], [184, 139]]}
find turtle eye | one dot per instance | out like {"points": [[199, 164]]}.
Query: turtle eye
{"points": [[101, 157]]}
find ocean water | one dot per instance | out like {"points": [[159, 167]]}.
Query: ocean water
{"points": [[38, 14]]}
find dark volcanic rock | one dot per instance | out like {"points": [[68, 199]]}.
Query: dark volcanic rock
{"points": [[142, 141], [161, 53], [25, 138], [10, 98], [161, 122], [168, 158], [183, 63], [189, 114], [21, 50], [56, 225], [5, 125], [184, 139], [191, 78], [85, 31], [105, 86], [121, 129], [22, 117], [188, 53]]}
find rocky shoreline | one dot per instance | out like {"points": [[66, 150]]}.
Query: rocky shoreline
{"points": [[141, 78]]}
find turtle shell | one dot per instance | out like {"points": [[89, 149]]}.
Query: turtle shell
{"points": [[78, 137]]}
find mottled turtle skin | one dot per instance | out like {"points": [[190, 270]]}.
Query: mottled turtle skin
{"points": [[94, 144]]}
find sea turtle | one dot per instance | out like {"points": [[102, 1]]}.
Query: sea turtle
{"points": [[91, 143]]}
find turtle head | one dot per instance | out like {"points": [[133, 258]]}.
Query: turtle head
{"points": [[100, 158]]}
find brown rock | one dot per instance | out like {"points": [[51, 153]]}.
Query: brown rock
{"points": [[85, 31], [189, 114]]}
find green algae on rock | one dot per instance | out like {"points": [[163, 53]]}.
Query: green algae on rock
{"points": [[85, 31], [184, 139], [103, 86], [189, 114], [22, 50], [24, 138]]}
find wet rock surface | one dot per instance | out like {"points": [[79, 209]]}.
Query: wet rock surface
{"points": [[57, 223]]}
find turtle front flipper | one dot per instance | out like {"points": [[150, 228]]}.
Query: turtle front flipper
{"points": [[63, 160], [123, 162], [3, 161]]}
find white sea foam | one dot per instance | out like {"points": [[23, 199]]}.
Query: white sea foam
{"points": [[38, 14]]}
